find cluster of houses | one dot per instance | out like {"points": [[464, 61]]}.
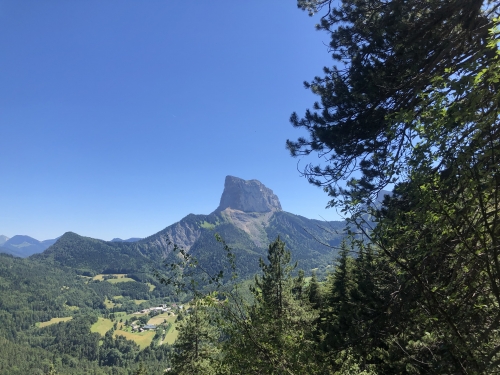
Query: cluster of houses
{"points": [[147, 327], [159, 309]]}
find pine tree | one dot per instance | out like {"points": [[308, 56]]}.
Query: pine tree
{"points": [[314, 292], [337, 309], [196, 349], [141, 370], [276, 336], [388, 56], [415, 104], [51, 370]]}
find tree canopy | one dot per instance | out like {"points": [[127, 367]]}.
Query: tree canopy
{"points": [[394, 61]]}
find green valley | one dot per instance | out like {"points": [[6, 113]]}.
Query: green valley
{"points": [[87, 302]]}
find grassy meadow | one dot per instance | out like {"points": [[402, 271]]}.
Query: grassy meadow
{"points": [[102, 326], [143, 339], [53, 321]]}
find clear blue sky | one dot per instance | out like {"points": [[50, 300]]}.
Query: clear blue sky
{"points": [[119, 118]]}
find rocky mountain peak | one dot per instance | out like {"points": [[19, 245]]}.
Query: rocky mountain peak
{"points": [[248, 196]]}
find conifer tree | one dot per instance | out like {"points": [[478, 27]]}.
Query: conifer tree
{"points": [[337, 310], [276, 337], [51, 370], [141, 370], [196, 349], [314, 292], [388, 56], [414, 103]]}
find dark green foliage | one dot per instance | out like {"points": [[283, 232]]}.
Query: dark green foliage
{"points": [[16, 359], [117, 351], [274, 334], [391, 54], [196, 350], [31, 291], [441, 242], [141, 370], [133, 290], [91, 255], [72, 338], [337, 315], [273, 286], [416, 104], [314, 293]]}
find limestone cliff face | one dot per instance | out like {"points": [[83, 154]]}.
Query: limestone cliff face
{"points": [[253, 223], [248, 205], [248, 196]]}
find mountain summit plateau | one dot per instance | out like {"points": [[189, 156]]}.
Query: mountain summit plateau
{"points": [[248, 196]]}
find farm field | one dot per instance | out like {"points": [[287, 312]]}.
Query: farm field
{"points": [[143, 339], [171, 334], [102, 326], [120, 276], [120, 280], [158, 319], [54, 321], [109, 304], [124, 316]]}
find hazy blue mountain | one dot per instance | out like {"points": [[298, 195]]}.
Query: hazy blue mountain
{"points": [[24, 246], [5, 250], [249, 217], [3, 239], [133, 239]]}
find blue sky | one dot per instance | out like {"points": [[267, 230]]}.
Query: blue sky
{"points": [[119, 118]]}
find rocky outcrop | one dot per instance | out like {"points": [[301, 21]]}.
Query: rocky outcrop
{"points": [[183, 233], [253, 223], [248, 196]]}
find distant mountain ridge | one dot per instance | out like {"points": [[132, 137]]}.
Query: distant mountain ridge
{"points": [[24, 246], [248, 218]]}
